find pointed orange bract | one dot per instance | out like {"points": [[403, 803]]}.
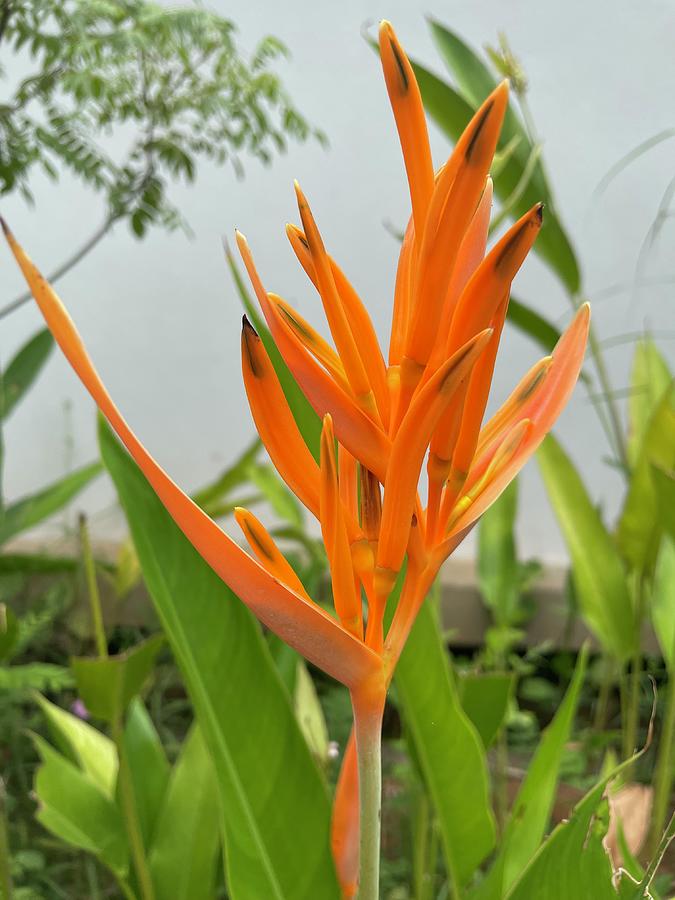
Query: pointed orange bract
{"points": [[268, 554], [303, 625]]}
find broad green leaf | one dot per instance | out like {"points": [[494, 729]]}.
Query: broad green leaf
{"points": [[307, 420], [148, 765], [597, 571], [235, 475], [649, 379], [183, 854], [529, 816], [663, 601], [533, 324], [23, 369], [274, 804], [448, 747], [9, 632], [31, 510], [485, 699], [639, 528], [107, 685], [572, 863], [497, 565], [74, 809], [452, 114], [92, 751]]}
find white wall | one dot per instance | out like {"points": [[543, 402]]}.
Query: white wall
{"points": [[161, 318]]}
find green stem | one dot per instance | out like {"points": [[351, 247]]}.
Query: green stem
{"points": [[368, 712], [131, 820], [612, 408], [630, 731], [92, 590], [5, 873], [663, 781], [602, 707]]}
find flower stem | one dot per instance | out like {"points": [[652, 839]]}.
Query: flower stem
{"points": [[92, 591], [368, 712]]}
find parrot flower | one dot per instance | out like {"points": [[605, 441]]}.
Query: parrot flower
{"points": [[425, 399]]}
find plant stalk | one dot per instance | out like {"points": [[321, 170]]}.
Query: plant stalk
{"points": [[130, 812], [92, 590], [663, 780], [5, 873], [368, 711]]}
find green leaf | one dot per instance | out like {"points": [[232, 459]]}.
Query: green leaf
{"points": [[107, 685], [23, 370], [273, 489], [572, 862], [663, 601], [148, 765], [306, 419], [452, 113], [91, 751], [31, 510], [529, 816], [215, 493], [665, 490], [74, 809], [649, 379], [183, 855], [597, 571], [275, 808], [639, 529], [28, 563], [485, 699], [497, 565], [450, 752], [533, 324]]}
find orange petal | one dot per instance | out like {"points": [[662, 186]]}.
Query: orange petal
{"points": [[344, 836], [408, 451], [347, 478], [358, 318], [456, 195], [354, 429], [303, 625], [334, 530], [542, 407], [411, 123], [345, 341], [274, 421], [268, 554]]}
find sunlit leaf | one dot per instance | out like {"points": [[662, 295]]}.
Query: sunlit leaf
{"points": [[597, 571], [649, 379], [450, 752], [92, 751], [663, 601], [182, 858], [148, 765]]}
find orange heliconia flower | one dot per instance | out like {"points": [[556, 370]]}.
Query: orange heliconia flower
{"points": [[426, 400]]}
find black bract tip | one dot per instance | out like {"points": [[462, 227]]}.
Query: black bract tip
{"points": [[540, 212], [246, 325]]}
